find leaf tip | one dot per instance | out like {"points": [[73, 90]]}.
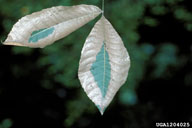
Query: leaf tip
{"points": [[102, 112], [12, 43], [101, 109]]}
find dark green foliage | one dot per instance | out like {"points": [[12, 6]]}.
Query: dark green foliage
{"points": [[6, 123], [157, 34]]}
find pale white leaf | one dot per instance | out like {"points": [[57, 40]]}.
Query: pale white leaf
{"points": [[45, 27], [104, 64]]}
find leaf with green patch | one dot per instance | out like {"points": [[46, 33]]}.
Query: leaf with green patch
{"points": [[49, 25], [104, 64]]}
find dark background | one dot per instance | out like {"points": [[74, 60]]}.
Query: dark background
{"points": [[40, 87]]}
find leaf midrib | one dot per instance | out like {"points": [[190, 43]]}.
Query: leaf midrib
{"points": [[104, 67]]}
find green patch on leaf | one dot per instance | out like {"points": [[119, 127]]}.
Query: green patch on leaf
{"points": [[101, 70], [40, 34]]}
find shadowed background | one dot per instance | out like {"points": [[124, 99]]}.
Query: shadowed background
{"points": [[40, 87]]}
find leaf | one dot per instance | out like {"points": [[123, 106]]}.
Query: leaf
{"points": [[104, 64], [45, 27]]}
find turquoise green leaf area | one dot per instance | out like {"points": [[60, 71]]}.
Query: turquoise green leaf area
{"points": [[40, 34], [101, 70]]}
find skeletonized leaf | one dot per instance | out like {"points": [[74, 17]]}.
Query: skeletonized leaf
{"points": [[44, 27], [104, 64]]}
